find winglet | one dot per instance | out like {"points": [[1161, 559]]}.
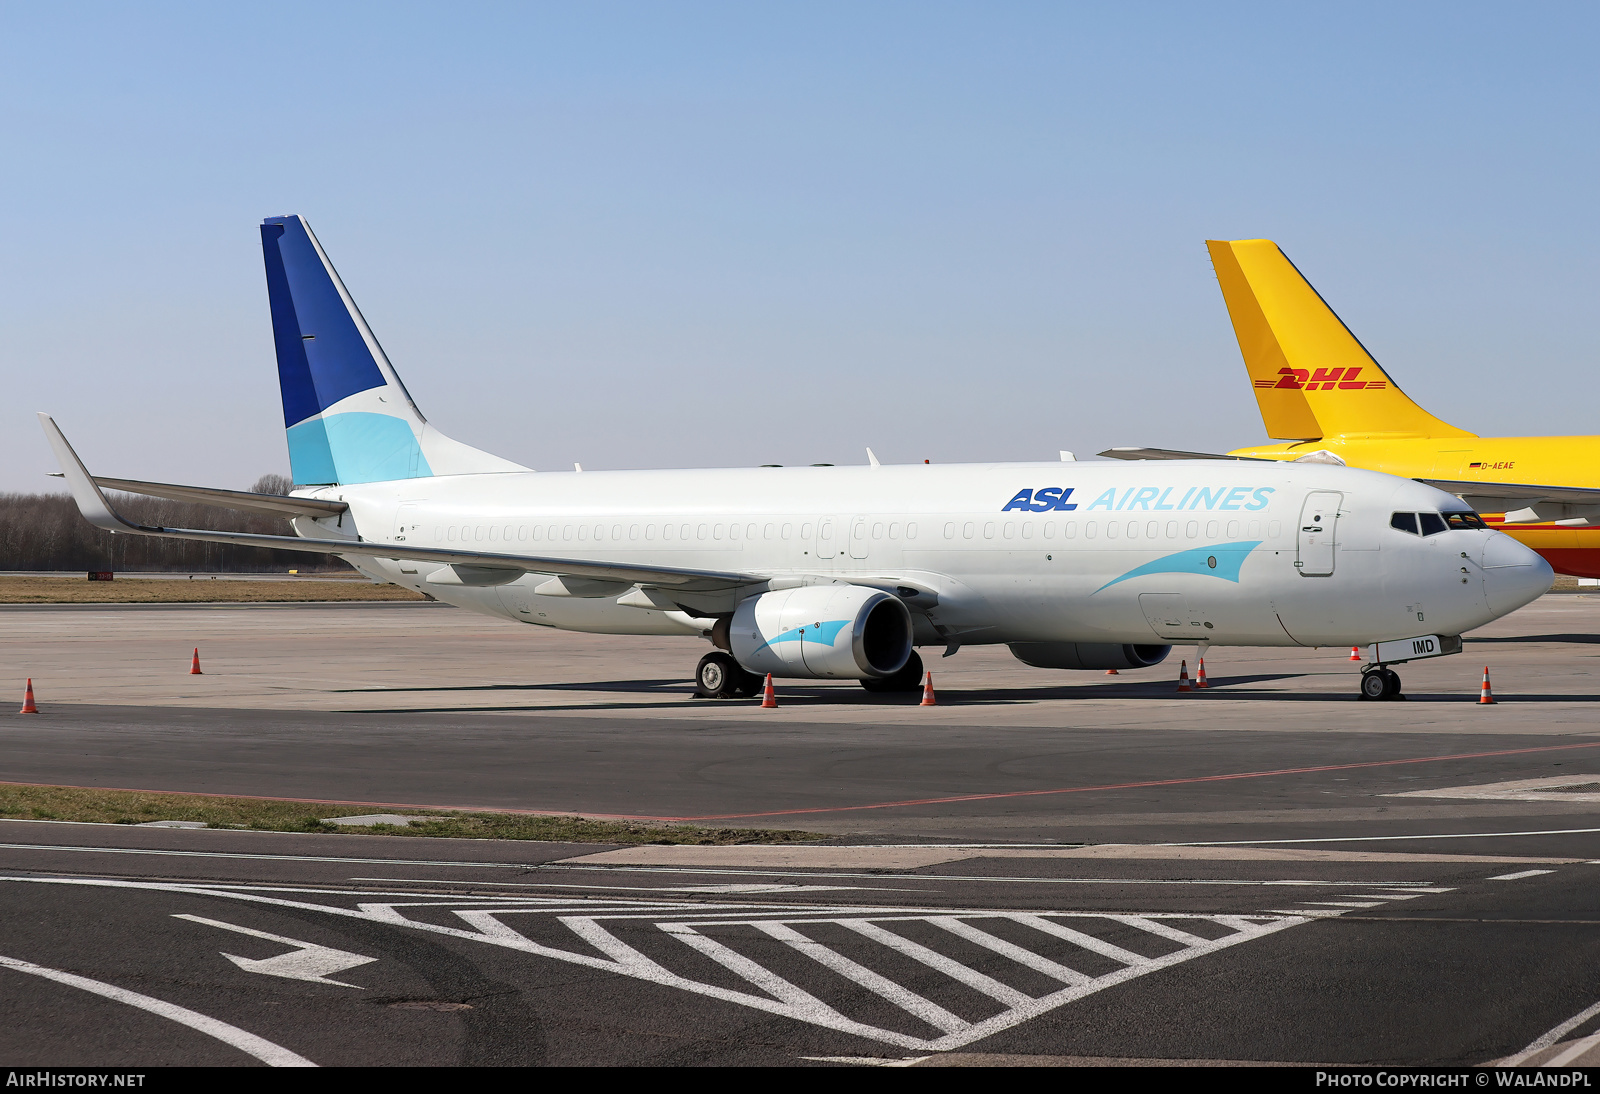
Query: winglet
{"points": [[91, 501]]}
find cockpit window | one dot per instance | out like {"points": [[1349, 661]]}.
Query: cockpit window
{"points": [[1464, 520], [1432, 523], [1406, 522]]}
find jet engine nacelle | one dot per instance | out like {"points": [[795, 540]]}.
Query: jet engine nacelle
{"points": [[823, 632], [1088, 655]]}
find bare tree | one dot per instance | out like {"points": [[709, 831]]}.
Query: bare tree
{"points": [[46, 532]]}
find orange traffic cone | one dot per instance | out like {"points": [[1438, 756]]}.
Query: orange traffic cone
{"points": [[1486, 696], [1112, 672], [1355, 653], [194, 666], [1200, 675], [927, 692], [1183, 676], [28, 706], [769, 698]]}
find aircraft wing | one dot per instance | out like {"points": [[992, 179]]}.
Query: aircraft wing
{"points": [[1172, 454], [1523, 502], [476, 567], [1515, 491], [274, 504]]}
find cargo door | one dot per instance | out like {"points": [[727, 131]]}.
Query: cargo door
{"points": [[1318, 519], [1168, 615]]}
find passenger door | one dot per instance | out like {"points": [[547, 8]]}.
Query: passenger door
{"points": [[1318, 520], [829, 532]]}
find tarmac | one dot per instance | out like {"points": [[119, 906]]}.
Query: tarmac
{"points": [[1044, 868]]}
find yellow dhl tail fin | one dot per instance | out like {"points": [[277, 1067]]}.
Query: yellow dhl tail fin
{"points": [[1312, 377]]}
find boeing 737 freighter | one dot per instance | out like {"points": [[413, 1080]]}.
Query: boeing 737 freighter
{"points": [[840, 572]]}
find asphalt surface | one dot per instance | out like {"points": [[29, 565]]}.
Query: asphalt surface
{"points": [[1267, 872]]}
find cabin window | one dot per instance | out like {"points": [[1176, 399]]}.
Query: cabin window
{"points": [[1090, 528], [1027, 529], [1254, 531], [522, 533], [649, 531], [1274, 529], [452, 534], [805, 531], [1192, 529], [1233, 529], [1010, 530], [911, 530], [1213, 529], [566, 533], [733, 531], [717, 535], [988, 530], [785, 531], [1405, 522], [1432, 523], [1049, 529], [750, 532], [616, 531], [583, 532], [492, 533], [877, 530], [894, 530], [1069, 529], [1112, 531], [968, 530], [1172, 529], [950, 530], [1464, 520]]}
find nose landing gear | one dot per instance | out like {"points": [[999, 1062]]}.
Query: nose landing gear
{"points": [[1378, 682]]}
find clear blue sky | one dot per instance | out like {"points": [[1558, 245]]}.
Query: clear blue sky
{"points": [[683, 234]]}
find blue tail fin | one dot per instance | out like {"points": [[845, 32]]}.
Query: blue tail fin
{"points": [[348, 415]]}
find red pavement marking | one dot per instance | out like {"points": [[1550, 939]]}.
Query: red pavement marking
{"points": [[856, 808]]}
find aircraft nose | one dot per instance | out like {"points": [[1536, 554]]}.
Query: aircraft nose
{"points": [[1513, 575]]}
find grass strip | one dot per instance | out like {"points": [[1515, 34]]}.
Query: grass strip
{"points": [[79, 590], [71, 803]]}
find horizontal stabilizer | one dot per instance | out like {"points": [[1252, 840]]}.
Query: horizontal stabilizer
{"points": [[243, 500], [1172, 454], [97, 510]]}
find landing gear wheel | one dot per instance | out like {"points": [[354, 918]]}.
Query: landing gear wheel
{"points": [[1380, 683], [718, 676], [1392, 678], [909, 678]]}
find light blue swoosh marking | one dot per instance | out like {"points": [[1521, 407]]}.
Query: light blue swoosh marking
{"points": [[825, 633], [1229, 556]]}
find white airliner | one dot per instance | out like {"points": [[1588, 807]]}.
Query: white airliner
{"points": [[839, 572]]}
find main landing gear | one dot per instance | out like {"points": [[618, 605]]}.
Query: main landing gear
{"points": [[1378, 682], [719, 676], [909, 678]]}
